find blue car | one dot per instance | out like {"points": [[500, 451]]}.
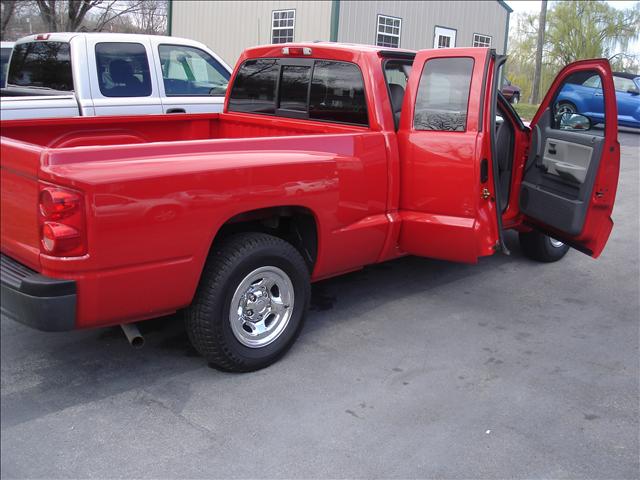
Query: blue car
{"points": [[586, 98]]}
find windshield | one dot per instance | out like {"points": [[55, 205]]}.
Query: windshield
{"points": [[41, 65]]}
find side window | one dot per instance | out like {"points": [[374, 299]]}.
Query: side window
{"points": [[254, 88], [443, 95], [623, 84], [191, 71], [294, 85], [397, 72], [337, 93], [593, 82], [575, 111], [123, 69]]}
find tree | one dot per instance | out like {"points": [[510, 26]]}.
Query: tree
{"points": [[540, 45], [71, 15], [575, 30], [151, 17], [579, 30], [7, 9]]}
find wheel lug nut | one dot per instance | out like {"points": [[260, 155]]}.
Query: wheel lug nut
{"points": [[249, 312], [252, 297]]}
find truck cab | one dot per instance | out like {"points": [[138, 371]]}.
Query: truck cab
{"points": [[87, 74], [326, 158]]}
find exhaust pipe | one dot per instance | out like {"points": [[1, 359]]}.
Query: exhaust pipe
{"points": [[135, 338]]}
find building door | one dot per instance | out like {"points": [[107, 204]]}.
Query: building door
{"points": [[444, 37]]}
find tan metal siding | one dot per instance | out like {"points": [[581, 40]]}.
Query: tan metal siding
{"points": [[228, 27], [358, 21]]}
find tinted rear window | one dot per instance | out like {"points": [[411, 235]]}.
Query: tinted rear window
{"points": [[5, 53], [336, 92], [41, 64], [294, 86], [254, 89]]}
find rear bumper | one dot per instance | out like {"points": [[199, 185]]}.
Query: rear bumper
{"points": [[44, 303]]}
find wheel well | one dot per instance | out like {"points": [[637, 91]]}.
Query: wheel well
{"points": [[296, 225]]}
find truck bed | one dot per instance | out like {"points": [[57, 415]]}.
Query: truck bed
{"points": [[156, 189], [95, 131]]}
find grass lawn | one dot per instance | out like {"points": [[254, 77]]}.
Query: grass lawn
{"points": [[526, 110]]}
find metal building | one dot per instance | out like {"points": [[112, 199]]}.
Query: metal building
{"points": [[228, 27]]}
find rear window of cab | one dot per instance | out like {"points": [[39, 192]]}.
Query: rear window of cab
{"points": [[323, 90]]}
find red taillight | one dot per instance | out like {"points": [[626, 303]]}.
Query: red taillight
{"points": [[56, 203], [58, 238], [61, 222]]}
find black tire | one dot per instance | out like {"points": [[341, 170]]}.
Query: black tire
{"points": [[208, 322], [515, 99], [540, 247]]}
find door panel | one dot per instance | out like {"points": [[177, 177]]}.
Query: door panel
{"points": [[191, 80], [443, 140], [122, 77], [570, 178]]}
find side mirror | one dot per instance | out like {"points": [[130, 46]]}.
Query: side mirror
{"points": [[575, 122], [633, 91]]}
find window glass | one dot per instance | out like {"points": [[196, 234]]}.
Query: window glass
{"points": [[443, 95], [283, 24], [576, 111], [397, 72], [622, 84], [388, 32], [191, 71], [593, 81], [337, 93], [123, 69], [480, 40], [294, 85], [41, 64], [254, 89], [5, 53]]}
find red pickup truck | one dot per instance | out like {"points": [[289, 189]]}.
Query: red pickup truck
{"points": [[326, 158]]}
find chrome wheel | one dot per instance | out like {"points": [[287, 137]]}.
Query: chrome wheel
{"points": [[261, 307], [516, 99], [556, 243], [565, 108]]}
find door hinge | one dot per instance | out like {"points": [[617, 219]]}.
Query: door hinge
{"points": [[485, 193]]}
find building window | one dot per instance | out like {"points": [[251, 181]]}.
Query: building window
{"points": [[444, 37], [282, 26], [388, 33], [480, 40]]}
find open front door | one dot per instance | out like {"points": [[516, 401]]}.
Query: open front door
{"points": [[571, 174]]}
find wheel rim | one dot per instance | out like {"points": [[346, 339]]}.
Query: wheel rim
{"points": [[556, 243], [261, 307], [516, 99], [565, 108]]}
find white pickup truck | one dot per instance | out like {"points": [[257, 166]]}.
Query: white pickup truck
{"points": [[88, 74]]}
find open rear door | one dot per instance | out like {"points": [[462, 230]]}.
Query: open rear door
{"points": [[571, 174]]}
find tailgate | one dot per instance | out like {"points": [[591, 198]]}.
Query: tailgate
{"points": [[19, 165]]}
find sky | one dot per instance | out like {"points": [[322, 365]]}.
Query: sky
{"points": [[520, 6]]}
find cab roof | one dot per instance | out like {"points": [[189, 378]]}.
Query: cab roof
{"points": [[327, 47]]}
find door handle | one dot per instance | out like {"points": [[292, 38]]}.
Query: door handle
{"points": [[552, 149], [176, 110], [597, 94]]}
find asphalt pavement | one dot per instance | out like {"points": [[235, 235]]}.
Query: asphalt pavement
{"points": [[409, 369]]}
